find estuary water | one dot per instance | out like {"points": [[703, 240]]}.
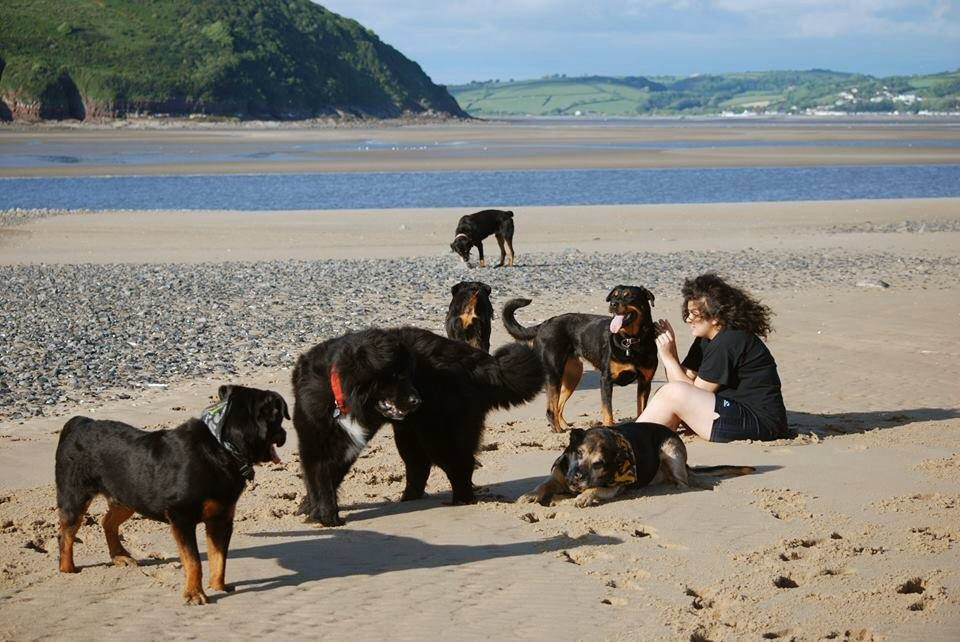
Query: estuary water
{"points": [[481, 188]]}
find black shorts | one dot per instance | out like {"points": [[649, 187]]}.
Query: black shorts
{"points": [[736, 422]]}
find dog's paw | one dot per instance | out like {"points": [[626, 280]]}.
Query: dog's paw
{"points": [[124, 560], [528, 498], [586, 498], [226, 588], [196, 597]]}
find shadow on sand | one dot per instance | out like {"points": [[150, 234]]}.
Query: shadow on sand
{"points": [[849, 423]]}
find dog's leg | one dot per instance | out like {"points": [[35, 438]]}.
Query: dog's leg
{"points": [[416, 462], [606, 398], [480, 252], [460, 474], [70, 521], [185, 535], [643, 391], [673, 461], [219, 529], [503, 253], [510, 247], [116, 515], [557, 424], [593, 496], [572, 372], [543, 494]]}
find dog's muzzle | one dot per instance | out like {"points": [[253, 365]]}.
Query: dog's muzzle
{"points": [[393, 410]]}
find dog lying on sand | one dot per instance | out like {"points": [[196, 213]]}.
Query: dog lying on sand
{"points": [[599, 463]]}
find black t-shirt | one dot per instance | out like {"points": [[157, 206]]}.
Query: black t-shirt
{"points": [[745, 370]]}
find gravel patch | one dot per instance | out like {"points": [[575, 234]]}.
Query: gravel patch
{"points": [[911, 227], [82, 332], [18, 216]]}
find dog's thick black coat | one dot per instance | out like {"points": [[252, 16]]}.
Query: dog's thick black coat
{"points": [[181, 476], [622, 357], [473, 228], [599, 463], [470, 314], [434, 391]]}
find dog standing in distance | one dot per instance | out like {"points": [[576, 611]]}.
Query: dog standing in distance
{"points": [[600, 463], [473, 228], [470, 314], [623, 349], [193, 473]]}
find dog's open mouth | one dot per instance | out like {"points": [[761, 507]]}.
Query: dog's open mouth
{"points": [[391, 411], [619, 320]]}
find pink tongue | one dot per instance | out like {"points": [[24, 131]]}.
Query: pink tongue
{"points": [[275, 455], [616, 323]]}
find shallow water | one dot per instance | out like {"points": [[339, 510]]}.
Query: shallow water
{"points": [[358, 190]]}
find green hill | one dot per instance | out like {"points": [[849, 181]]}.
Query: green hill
{"points": [[764, 92], [247, 58]]}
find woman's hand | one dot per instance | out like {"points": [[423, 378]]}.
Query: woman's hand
{"points": [[666, 341]]}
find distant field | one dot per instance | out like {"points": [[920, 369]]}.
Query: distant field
{"points": [[770, 91]]}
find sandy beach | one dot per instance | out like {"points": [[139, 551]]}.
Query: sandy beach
{"points": [[850, 531]]}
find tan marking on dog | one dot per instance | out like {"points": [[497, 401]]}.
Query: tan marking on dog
{"points": [[557, 423], [634, 328], [596, 495], [116, 515], [673, 461], [469, 314], [68, 533], [606, 416], [572, 372], [217, 549], [190, 559], [617, 368], [211, 508], [626, 473]]}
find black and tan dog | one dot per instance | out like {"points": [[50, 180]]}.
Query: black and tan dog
{"points": [[473, 228], [470, 314], [623, 349], [600, 463], [193, 473]]}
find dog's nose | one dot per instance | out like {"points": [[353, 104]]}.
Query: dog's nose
{"points": [[413, 401]]}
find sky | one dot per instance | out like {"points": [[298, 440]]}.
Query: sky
{"points": [[456, 41]]}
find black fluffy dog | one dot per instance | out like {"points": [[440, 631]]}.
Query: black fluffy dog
{"points": [[623, 349], [193, 473], [470, 314], [473, 228], [434, 391]]}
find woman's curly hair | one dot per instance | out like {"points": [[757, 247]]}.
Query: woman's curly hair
{"points": [[731, 306]]}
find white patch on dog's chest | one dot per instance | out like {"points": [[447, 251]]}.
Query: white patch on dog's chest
{"points": [[356, 433]]}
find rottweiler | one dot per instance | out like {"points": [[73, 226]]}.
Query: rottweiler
{"points": [[470, 314], [190, 474], [623, 349], [599, 463], [473, 228]]}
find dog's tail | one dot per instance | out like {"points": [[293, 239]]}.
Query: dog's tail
{"points": [[516, 375], [516, 330], [722, 471]]}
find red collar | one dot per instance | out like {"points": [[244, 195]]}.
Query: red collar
{"points": [[337, 388]]}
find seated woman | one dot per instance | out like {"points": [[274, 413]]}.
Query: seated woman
{"points": [[727, 388]]}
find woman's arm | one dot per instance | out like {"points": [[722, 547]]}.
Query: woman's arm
{"points": [[667, 351]]}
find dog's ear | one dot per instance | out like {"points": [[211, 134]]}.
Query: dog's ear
{"points": [[648, 294], [282, 403], [486, 289], [577, 436], [224, 392], [457, 287]]}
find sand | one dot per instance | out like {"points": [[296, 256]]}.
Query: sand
{"points": [[851, 531]]}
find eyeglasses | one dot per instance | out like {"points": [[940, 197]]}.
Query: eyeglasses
{"points": [[692, 316]]}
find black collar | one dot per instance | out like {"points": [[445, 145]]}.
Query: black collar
{"points": [[214, 417]]}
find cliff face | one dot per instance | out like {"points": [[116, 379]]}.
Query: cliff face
{"points": [[280, 59]]}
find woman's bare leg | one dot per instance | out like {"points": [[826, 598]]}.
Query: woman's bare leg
{"points": [[678, 401]]}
